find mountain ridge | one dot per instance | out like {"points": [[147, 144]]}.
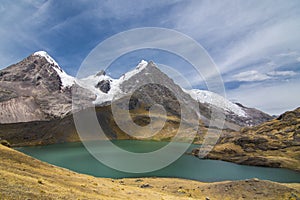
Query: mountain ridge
{"points": [[38, 92]]}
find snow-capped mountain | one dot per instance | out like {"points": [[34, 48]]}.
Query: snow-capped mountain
{"points": [[66, 80], [216, 100], [106, 88], [43, 74], [37, 91], [36, 88]]}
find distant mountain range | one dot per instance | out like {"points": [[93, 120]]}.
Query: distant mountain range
{"points": [[36, 101]]}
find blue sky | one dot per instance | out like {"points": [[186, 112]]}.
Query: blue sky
{"points": [[255, 44]]}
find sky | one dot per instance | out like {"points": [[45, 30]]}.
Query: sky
{"points": [[254, 44]]}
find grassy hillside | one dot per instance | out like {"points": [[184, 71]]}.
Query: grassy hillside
{"points": [[23, 177], [274, 144]]}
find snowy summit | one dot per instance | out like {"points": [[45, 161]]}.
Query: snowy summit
{"points": [[67, 80], [46, 56], [114, 91]]}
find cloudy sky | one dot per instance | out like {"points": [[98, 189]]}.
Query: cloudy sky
{"points": [[255, 44]]}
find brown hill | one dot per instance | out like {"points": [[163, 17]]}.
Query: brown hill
{"points": [[275, 143]]}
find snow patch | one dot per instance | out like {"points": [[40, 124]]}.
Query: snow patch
{"points": [[203, 96], [90, 83], [115, 92], [66, 80]]}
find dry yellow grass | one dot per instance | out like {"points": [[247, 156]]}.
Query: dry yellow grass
{"points": [[273, 144], [23, 177]]}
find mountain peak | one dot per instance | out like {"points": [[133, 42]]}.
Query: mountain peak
{"points": [[143, 62], [46, 56], [142, 65], [67, 80]]}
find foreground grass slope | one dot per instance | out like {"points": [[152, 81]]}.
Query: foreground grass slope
{"points": [[23, 177]]}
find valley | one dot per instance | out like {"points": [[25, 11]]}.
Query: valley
{"points": [[39, 103]]}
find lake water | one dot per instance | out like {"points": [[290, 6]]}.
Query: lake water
{"points": [[74, 156]]}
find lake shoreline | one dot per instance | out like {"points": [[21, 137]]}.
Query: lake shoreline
{"points": [[212, 156], [24, 176], [187, 165]]}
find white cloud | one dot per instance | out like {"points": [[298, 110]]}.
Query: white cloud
{"points": [[273, 99], [282, 73], [253, 75], [29, 25], [238, 33], [154, 38], [250, 76], [249, 41], [254, 37], [292, 53], [18, 33], [264, 43]]}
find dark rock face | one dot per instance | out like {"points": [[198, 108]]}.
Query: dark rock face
{"points": [[251, 144], [259, 161], [34, 70], [6, 94], [101, 73], [104, 86], [151, 86], [151, 94], [245, 141]]}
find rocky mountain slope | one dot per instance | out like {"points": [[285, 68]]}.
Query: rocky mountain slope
{"points": [[34, 89], [23, 177], [36, 102], [275, 143]]}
